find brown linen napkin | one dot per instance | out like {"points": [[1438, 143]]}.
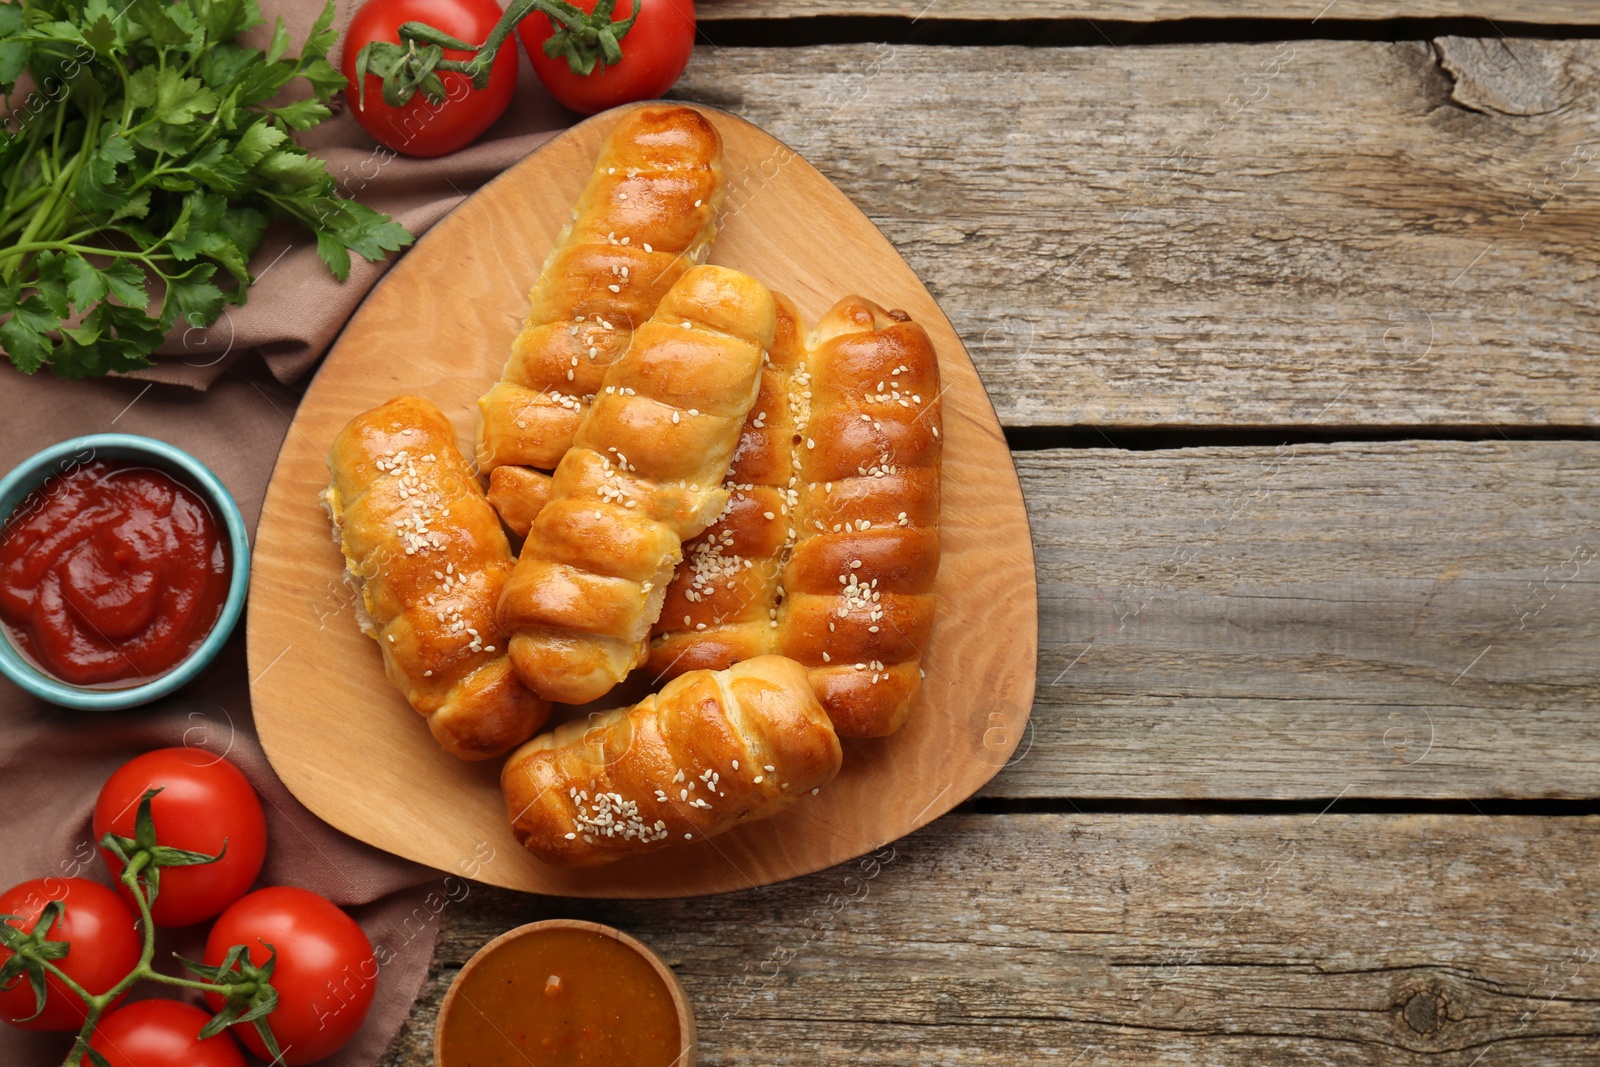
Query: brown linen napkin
{"points": [[52, 761]]}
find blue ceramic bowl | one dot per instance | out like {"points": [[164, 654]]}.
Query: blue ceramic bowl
{"points": [[56, 459]]}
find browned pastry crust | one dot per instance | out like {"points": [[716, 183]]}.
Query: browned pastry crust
{"points": [[518, 494], [722, 605], [853, 598], [858, 587], [644, 474], [711, 750], [428, 558], [647, 215]]}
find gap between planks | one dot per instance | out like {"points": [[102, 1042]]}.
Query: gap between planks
{"points": [[1309, 13]]}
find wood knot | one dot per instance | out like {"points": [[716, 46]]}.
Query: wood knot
{"points": [[1425, 1011]]}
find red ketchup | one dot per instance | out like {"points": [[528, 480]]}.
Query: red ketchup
{"points": [[111, 574]]}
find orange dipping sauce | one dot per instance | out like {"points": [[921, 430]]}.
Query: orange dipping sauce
{"points": [[561, 998], [110, 574]]}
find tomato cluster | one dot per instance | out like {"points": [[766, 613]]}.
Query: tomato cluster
{"points": [[655, 51], [205, 806]]}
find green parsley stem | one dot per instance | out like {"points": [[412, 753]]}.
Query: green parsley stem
{"points": [[91, 250]]}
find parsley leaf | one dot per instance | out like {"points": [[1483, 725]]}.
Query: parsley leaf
{"points": [[135, 199]]}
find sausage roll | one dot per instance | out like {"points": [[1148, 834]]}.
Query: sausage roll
{"points": [[852, 596], [644, 475], [711, 750], [647, 215], [428, 559]]}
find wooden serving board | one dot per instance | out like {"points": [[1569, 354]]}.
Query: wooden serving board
{"points": [[440, 325]]}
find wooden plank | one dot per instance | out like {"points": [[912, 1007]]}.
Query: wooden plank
{"points": [[1561, 12], [1412, 619], [1306, 233], [1445, 941]]}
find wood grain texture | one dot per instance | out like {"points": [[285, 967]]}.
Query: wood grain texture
{"points": [[1562, 12], [1314, 233], [439, 324], [1410, 619], [1047, 939]]}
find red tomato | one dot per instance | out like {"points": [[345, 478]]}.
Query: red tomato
{"points": [[105, 947], [326, 973], [654, 53], [421, 128], [161, 1033], [204, 801]]}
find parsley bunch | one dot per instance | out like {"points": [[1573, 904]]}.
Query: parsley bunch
{"points": [[141, 171]]}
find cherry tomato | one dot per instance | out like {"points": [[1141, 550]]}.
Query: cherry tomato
{"points": [[161, 1033], [105, 947], [326, 973], [204, 801], [421, 128], [654, 53]]}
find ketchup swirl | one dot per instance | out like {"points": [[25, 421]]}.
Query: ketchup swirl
{"points": [[111, 574]]}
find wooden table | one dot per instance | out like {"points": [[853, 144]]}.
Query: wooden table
{"points": [[1290, 313]]}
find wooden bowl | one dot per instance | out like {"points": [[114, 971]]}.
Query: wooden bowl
{"points": [[687, 1037]]}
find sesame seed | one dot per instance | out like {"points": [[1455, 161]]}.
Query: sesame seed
{"points": [[618, 289], [647, 247], [697, 203]]}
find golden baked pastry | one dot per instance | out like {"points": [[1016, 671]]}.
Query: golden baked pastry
{"points": [[713, 749], [829, 551], [644, 474], [428, 559], [647, 215]]}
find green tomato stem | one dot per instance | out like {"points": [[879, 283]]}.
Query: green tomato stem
{"points": [[96, 1004], [573, 19]]}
